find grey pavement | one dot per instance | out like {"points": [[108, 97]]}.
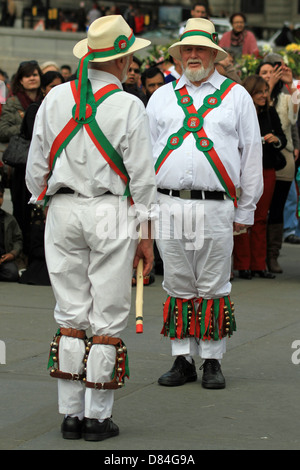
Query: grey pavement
{"points": [[259, 409]]}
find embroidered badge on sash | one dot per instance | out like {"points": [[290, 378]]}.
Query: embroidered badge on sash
{"points": [[212, 101], [186, 100], [204, 144], [193, 123], [174, 141]]}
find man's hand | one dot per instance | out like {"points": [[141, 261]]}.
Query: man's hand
{"points": [[145, 251], [7, 257], [239, 227]]}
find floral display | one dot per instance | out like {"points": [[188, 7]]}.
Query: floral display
{"points": [[245, 65]]}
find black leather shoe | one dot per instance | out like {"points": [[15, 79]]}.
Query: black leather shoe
{"points": [[294, 239], [212, 375], [180, 373], [71, 428], [245, 274], [95, 431], [263, 274]]}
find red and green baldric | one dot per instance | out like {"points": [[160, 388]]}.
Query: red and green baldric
{"points": [[193, 123], [84, 112]]}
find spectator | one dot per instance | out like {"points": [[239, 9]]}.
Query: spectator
{"points": [[198, 10], [9, 11], [281, 84], [10, 244], [227, 67], [133, 81], [152, 79], [49, 65], [240, 40], [3, 88], [66, 72], [174, 72], [250, 248], [286, 36], [93, 14], [81, 18], [37, 272], [26, 89]]}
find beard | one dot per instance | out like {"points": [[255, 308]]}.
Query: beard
{"points": [[199, 74]]}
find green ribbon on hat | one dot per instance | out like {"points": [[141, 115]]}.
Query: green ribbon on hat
{"points": [[121, 45], [212, 36]]}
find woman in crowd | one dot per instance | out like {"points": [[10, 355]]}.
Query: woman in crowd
{"points": [[280, 80], [26, 89], [239, 39], [250, 248], [37, 272]]}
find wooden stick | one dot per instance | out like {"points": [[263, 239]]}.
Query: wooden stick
{"points": [[139, 297]]}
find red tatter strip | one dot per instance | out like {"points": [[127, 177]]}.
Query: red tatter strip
{"points": [[197, 329], [166, 309], [221, 315]]}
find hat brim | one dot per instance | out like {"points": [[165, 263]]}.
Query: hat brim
{"points": [[81, 49], [174, 50]]}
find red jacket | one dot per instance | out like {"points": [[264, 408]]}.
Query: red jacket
{"points": [[249, 45]]}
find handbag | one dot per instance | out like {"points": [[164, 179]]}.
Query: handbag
{"points": [[16, 152], [279, 160]]}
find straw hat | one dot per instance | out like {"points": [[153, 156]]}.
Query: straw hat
{"points": [[198, 32], [108, 38]]}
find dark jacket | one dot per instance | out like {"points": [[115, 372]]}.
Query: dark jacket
{"points": [[12, 234], [269, 122]]}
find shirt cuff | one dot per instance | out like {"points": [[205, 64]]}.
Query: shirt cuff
{"points": [[244, 217]]}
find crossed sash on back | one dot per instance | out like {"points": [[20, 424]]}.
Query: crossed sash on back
{"points": [[90, 125]]}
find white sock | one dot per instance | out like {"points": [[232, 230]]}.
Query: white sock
{"points": [[189, 359]]}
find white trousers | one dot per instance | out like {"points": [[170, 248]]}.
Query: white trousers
{"points": [[90, 268], [195, 240]]}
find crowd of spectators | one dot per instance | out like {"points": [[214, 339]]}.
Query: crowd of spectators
{"points": [[272, 87]]}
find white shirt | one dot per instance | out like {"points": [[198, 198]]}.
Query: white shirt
{"points": [[233, 127], [123, 120]]}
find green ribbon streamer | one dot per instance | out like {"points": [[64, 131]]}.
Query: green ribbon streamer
{"points": [[216, 318]]}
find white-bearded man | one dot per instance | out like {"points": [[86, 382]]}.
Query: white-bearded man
{"points": [[207, 148]]}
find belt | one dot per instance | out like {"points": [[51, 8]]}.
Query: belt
{"points": [[194, 194], [65, 190]]}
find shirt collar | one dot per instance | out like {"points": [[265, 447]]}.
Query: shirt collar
{"points": [[104, 77], [215, 80]]}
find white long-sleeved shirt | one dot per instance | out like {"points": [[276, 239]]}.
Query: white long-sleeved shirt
{"points": [[123, 120], [233, 127]]}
